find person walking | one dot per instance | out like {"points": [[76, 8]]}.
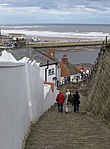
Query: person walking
{"points": [[60, 100], [68, 98], [76, 101]]}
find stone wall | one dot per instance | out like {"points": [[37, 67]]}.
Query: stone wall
{"points": [[99, 92]]}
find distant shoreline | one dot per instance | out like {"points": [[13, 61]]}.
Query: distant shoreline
{"points": [[65, 39], [65, 43]]}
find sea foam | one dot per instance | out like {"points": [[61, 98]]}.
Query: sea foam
{"points": [[35, 31]]}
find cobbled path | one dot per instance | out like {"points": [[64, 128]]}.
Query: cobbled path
{"points": [[68, 131]]}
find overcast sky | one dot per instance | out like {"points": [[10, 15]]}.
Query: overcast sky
{"points": [[55, 11]]}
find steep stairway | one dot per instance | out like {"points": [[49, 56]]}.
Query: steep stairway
{"points": [[78, 130], [68, 131]]}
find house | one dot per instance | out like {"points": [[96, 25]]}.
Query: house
{"points": [[48, 67], [49, 71], [68, 71], [54, 72], [84, 69], [17, 36], [12, 39], [6, 41], [51, 53]]}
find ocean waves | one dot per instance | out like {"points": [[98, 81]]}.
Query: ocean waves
{"points": [[35, 30]]}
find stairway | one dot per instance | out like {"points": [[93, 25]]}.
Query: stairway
{"points": [[68, 131]]}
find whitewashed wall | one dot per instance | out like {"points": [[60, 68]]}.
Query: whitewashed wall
{"points": [[58, 73], [35, 89], [49, 77], [14, 112], [23, 99], [49, 96]]}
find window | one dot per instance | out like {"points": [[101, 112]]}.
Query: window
{"points": [[51, 71]]}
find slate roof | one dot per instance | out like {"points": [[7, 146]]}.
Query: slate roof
{"points": [[32, 54], [84, 66], [73, 69]]}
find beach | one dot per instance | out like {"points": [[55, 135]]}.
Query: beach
{"points": [[66, 39], [58, 33], [76, 54]]}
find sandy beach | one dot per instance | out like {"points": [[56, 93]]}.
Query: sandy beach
{"points": [[46, 40], [66, 39]]}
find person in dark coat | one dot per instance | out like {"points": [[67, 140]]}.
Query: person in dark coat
{"points": [[60, 100], [76, 103]]}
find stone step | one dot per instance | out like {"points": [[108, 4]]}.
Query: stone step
{"points": [[67, 131]]}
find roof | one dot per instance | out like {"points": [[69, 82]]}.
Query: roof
{"points": [[68, 70], [84, 66], [64, 70], [32, 54], [73, 69], [5, 37]]}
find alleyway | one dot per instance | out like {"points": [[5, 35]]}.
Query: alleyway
{"points": [[68, 131]]}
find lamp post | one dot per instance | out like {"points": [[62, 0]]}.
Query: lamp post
{"points": [[106, 39]]}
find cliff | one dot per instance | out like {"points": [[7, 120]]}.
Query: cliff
{"points": [[99, 91]]}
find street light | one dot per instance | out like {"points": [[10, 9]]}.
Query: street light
{"points": [[106, 39]]}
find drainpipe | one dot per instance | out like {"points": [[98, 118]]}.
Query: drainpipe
{"points": [[56, 74], [46, 70]]}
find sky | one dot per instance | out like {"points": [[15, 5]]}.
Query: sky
{"points": [[55, 11]]}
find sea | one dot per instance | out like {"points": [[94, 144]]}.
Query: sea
{"points": [[71, 31]]}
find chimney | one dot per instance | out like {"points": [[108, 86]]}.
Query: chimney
{"points": [[65, 60]]}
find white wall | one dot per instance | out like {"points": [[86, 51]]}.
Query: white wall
{"points": [[14, 112], [49, 77], [49, 96], [36, 90], [23, 99], [59, 74]]}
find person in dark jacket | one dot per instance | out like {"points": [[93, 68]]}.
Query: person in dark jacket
{"points": [[76, 101], [60, 100]]}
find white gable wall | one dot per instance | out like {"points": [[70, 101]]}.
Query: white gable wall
{"points": [[14, 112], [49, 76], [37, 90], [22, 99]]}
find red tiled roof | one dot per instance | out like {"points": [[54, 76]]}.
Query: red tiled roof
{"points": [[64, 70]]}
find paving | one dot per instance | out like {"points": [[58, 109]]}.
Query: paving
{"points": [[68, 131]]}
